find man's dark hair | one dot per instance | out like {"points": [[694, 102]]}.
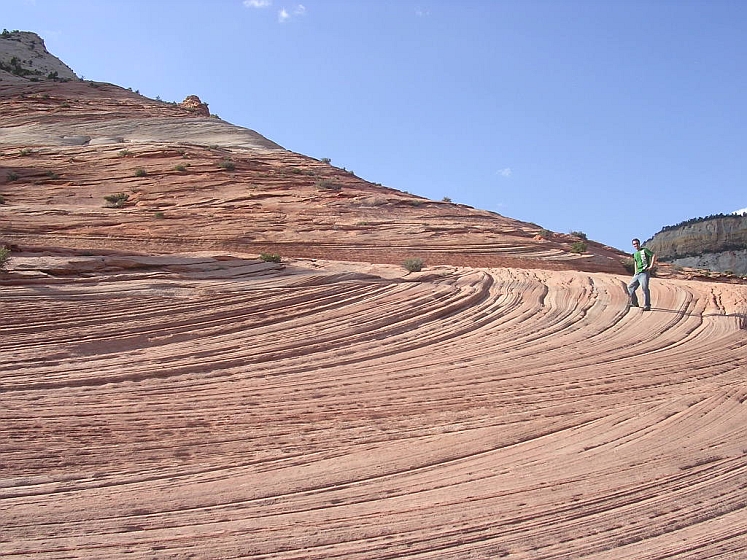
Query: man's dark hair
{"points": [[636, 239]]}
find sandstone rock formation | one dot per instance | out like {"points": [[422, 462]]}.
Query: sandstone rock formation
{"points": [[193, 104], [716, 243], [166, 393], [217, 407]]}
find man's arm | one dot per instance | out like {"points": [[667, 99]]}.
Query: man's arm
{"points": [[653, 261]]}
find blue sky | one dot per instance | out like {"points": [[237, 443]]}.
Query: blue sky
{"points": [[614, 118]]}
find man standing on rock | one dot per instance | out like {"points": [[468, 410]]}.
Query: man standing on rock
{"points": [[644, 262]]}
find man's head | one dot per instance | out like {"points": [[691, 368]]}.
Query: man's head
{"points": [[637, 243]]}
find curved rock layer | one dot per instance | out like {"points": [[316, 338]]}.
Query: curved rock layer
{"points": [[214, 408]]}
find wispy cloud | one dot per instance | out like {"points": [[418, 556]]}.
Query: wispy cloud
{"points": [[422, 13], [257, 3], [505, 172], [284, 15]]}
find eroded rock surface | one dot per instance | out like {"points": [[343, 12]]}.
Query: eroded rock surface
{"points": [[215, 407]]}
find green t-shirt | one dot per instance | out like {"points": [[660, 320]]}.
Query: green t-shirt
{"points": [[642, 259]]}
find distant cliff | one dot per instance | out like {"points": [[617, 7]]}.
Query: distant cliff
{"points": [[716, 243]]}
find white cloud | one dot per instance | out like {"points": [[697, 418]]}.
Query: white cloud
{"points": [[505, 172], [742, 211], [422, 13], [257, 3], [284, 15]]}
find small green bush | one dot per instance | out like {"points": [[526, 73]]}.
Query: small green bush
{"points": [[25, 152], [116, 200], [159, 215], [123, 153], [140, 172], [579, 234], [446, 199], [578, 247], [181, 167], [270, 257], [413, 264], [4, 256], [227, 164], [328, 186], [12, 176], [629, 265]]}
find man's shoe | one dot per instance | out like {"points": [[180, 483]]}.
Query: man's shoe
{"points": [[647, 308]]}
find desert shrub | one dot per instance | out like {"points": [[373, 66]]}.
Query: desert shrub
{"points": [[25, 152], [326, 160], [52, 175], [227, 164], [578, 247], [413, 264], [180, 167], [123, 153], [4, 256], [116, 200], [545, 233], [159, 215], [579, 234], [446, 199], [140, 172], [12, 176], [2, 199], [270, 257], [328, 186]]}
